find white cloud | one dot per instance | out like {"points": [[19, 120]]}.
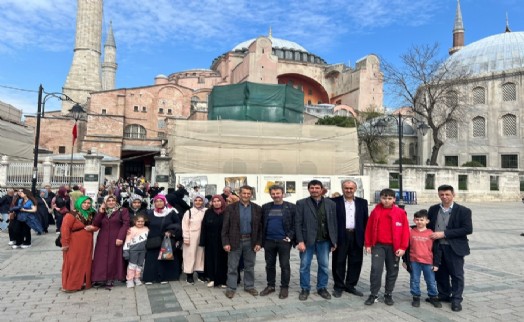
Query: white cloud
{"points": [[206, 24]]}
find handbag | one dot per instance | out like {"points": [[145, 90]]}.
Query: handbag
{"points": [[58, 240], [154, 242], [63, 210], [166, 251]]}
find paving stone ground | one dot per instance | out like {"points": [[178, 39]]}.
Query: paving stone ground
{"points": [[30, 281]]}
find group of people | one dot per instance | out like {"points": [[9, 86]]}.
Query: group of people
{"points": [[219, 236], [316, 225]]}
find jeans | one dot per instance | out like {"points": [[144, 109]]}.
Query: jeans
{"points": [[249, 255], [3, 224], [429, 277], [321, 249], [383, 254], [272, 248]]}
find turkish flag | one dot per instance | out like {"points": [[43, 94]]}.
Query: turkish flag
{"points": [[75, 133]]}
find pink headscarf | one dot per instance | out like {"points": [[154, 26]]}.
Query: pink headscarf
{"points": [[222, 203], [161, 197]]}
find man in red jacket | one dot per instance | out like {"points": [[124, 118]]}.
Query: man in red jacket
{"points": [[386, 238]]}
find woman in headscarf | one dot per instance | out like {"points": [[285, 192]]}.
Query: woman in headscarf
{"points": [[136, 207], [108, 262], [77, 245], [163, 221], [193, 254], [42, 209], [215, 257]]}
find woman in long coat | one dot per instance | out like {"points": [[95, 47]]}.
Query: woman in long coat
{"points": [[215, 257], [108, 261], [192, 253], [162, 221], [77, 246]]}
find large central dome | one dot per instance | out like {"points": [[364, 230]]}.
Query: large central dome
{"points": [[277, 43], [502, 52]]}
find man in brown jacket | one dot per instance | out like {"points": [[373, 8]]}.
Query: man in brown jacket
{"points": [[242, 236]]}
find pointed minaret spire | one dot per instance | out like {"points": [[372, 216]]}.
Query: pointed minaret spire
{"points": [[507, 23], [270, 35], [109, 65], [458, 31]]}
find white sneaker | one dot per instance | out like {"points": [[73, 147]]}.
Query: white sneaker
{"points": [[11, 243], [25, 246], [130, 284], [16, 246], [149, 283], [57, 233], [211, 284], [163, 282], [138, 282]]}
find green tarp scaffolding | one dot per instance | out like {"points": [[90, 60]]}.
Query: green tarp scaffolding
{"points": [[256, 102]]}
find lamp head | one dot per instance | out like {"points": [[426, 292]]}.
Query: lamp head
{"points": [[380, 126], [76, 112]]}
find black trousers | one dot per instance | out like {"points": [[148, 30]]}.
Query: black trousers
{"points": [[383, 254], [272, 248], [22, 233], [347, 262], [450, 275]]}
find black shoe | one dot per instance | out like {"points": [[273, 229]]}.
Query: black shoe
{"points": [[371, 299], [354, 291], [268, 290], [436, 303], [303, 295], [190, 279], [388, 299], [456, 307], [324, 294], [337, 293], [416, 301], [446, 299]]}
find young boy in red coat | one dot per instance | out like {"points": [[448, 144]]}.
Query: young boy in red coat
{"points": [[386, 239]]}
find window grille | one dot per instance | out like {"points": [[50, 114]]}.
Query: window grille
{"points": [[452, 130], [509, 125], [509, 92], [479, 127], [479, 95]]}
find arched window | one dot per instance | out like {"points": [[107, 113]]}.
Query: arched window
{"points": [[135, 131], [479, 95], [452, 130], [509, 92], [509, 125], [479, 127], [451, 99]]}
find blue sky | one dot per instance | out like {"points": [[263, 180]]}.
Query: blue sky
{"points": [[166, 36]]}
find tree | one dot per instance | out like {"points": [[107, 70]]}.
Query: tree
{"points": [[337, 120], [429, 85]]}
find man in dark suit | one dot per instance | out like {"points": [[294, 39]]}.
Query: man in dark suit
{"points": [[242, 236], [316, 233], [352, 217], [451, 223]]}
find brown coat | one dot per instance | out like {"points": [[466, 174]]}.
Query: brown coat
{"points": [[231, 226], [76, 266]]}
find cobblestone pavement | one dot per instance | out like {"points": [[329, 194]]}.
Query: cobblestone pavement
{"points": [[30, 281]]}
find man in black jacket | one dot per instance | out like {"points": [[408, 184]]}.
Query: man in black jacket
{"points": [[278, 233], [451, 224], [352, 218]]}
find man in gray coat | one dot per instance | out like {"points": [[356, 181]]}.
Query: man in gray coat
{"points": [[316, 233]]}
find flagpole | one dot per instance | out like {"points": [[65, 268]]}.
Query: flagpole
{"points": [[72, 150]]}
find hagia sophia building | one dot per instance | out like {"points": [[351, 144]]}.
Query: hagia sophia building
{"points": [[131, 123]]}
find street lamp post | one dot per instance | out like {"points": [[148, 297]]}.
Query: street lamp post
{"points": [[381, 125], [76, 113], [42, 99]]}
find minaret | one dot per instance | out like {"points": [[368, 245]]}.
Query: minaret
{"points": [[84, 74], [109, 65], [458, 31], [507, 23]]}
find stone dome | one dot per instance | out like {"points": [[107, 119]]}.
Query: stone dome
{"points": [[497, 53], [277, 43]]}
